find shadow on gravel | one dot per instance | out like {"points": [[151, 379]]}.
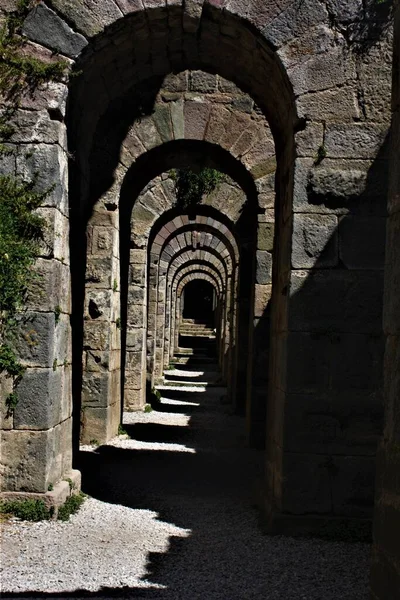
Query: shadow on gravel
{"points": [[211, 494], [152, 432]]}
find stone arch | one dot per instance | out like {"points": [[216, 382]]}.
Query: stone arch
{"points": [[313, 73]]}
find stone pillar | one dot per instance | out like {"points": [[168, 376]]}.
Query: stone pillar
{"points": [[36, 437], [257, 374], [101, 385], [135, 366], [385, 573], [325, 408]]}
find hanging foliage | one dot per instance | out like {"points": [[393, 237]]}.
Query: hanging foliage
{"points": [[191, 186]]}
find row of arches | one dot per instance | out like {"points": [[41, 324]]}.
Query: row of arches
{"points": [[269, 97]]}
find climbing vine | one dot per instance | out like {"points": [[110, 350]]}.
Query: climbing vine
{"points": [[21, 228], [191, 186]]}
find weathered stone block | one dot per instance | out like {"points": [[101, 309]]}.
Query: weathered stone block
{"points": [[199, 81], [6, 416], [315, 243], [330, 105], [365, 372], [137, 257], [62, 340], [35, 343], [96, 389], [44, 26], [39, 399], [142, 220], [50, 288], [100, 424], [89, 20], [310, 140], [135, 340], [362, 242], [196, 118], [346, 11], [262, 297], [134, 399], [176, 82], [265, 236], [359, 140], [27, 460], [336, 301], [136, 295], [101, 272], [97, 335], [98, 304], [55, 243], [37, 127], [137, 274], [306, 484], [162, 120], [50, 161], [308, 362], [293, 21], [339, 423], [263, 267], [322, 71], [135, 316]]}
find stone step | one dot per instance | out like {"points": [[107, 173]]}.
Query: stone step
{"points": [[193, 360], [195, 322], [210, 377], [196, 329]]}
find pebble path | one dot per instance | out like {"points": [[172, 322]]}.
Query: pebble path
{"points": [[171, 516]]}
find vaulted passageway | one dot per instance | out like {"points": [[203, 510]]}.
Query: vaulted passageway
{"points": [[280, 101]]}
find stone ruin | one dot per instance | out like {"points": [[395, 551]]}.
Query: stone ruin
{"points": [[291, 102]]}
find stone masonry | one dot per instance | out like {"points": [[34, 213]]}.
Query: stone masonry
{"points": [[290, 100]]}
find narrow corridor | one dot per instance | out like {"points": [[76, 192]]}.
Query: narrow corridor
{"points": [[172, 514]]}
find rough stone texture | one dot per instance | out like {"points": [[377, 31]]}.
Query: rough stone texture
{"points": [[264, 267], [34, 459], [385, 573], [315, 241], [330, 105], [316, 73], [38, 399], [44, 26], [89, 18]]}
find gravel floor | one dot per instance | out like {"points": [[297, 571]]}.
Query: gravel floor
{"points": [[171, 516]]}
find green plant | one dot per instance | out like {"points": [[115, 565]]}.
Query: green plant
{"points": [[94, 442], [148, 408], [55, 364], [9, 362], [11, 403], [21, 228], [50, 487], [70, 506], [26, 510], [155, 397], [19, 71], [115, 285], [118, 323], [57, 314], [321, 154], [70, 483], [121, 430], [190, 186]]}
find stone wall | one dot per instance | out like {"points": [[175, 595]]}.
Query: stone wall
{"points": [[316, 73], [385, 575], [36, 437]]}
